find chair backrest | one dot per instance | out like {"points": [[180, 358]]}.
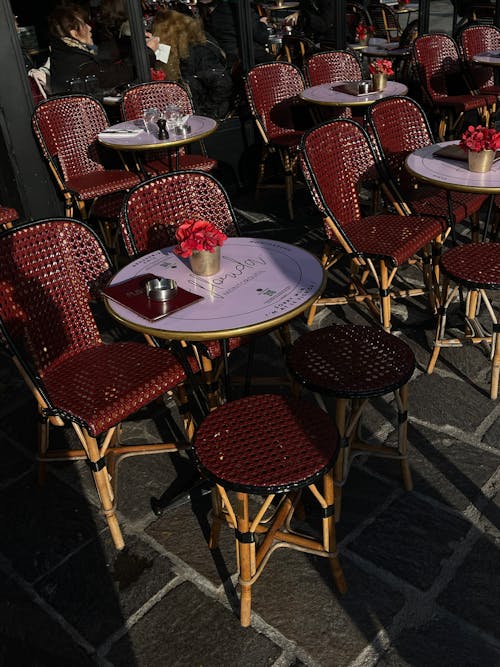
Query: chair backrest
{"points": [[476, 39], [399, 126], [330, 66], [158, 94], [385, 22], [154, 209], [436, 61], [66, 128], [270, 87], [49, 271], [335, 175]]}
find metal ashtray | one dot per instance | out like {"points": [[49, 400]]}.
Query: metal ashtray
{"points": [[160, 289], [182, 130], [364, 87]]}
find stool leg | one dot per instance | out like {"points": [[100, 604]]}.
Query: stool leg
{"points": [[340, 420], [330, 541], [441, 325], [495, 364], [403, 437], [246, 559], [213, 540]]}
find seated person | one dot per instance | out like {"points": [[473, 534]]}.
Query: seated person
{"points": [[197, 59], [72, 50], [317, 20]]}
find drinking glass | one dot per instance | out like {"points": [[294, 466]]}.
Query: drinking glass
{"points": [[76, 85], [172, 115], [150, 116]]}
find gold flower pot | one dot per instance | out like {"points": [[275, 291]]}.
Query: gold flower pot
{"points": [[204, 262], [379, 81], [480, 161], [363, 41]]}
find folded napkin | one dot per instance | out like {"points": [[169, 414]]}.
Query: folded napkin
{"points": [[107, 134]]}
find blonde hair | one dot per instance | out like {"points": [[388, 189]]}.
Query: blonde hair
{"points": [[180, 32]]}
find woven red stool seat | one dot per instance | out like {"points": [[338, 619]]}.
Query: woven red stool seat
{"points": [[267, 445], [477, 267], [474, 265], [351, 361], [354, 363]]}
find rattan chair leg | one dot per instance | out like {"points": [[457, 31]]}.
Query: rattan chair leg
{"points": [[329, 537], [441, 326], [246, 551], [101, 479], [43, 444], [385, 297], [495, 367], [213, 540], [343, 457]]}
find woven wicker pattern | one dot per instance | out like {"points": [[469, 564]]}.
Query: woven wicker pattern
{"points": [[159, 94], [436, 59], [335, 178], [266, 443], [330, 66], [477, 39], [385, 22], [48, 272], [153, 210], [272, 90], [66, 128], [103, 385], [474, 265], [7, 215], [351, 361], [400, 127]]}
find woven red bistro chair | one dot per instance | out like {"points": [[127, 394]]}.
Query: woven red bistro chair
{"points": [[376, 245], [50, 270], [385, 22], [272, 91], [66, 128], [271, 446], [159, 94], [446, 92], [151, 214], [476, 39], [400, 126], [474, 267], [354, 364], [7, 216]]}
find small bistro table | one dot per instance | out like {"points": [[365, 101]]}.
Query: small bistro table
{"points": [[131, 135], [331, 94], [261, 284]]}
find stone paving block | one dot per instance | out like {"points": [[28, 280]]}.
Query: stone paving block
{"points": [[473, 592], [411, 539], [443, 468], [14, 461], [440, 643], [185, 530], [489, 522], [492, 435], [297, 596], [29, 636], [42, 525], [98, 588], [435, 399], [187, 628]]}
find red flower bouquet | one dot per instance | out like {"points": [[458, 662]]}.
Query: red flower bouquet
{"points": [[480, 138], [402, 3], [363, 31], [196, 235], [381, 66]]}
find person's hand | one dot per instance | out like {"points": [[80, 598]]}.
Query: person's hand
{"points": [[292, 19], [152, 42]]}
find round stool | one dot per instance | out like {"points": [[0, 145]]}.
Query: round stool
{"points": [[269, 445], [475, 266], [354, 363]]}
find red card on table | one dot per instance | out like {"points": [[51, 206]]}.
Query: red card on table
{"points": [[132, 294]]}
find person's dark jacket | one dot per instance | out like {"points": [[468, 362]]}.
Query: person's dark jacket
{"points": [[317, 19]]}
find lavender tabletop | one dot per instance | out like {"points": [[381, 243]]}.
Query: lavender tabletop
{"points": [[329, 94], [450, 173], [261, 283]]}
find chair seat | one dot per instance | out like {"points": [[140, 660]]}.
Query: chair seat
{"points": [[475, 265], [103, 385], [186, 161], [212, 348], [102, 182], [466, 102], [430, 201], [351, 361], [266, 444], [392, 236], [7, 215], [107, 207], [289, 140]]}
